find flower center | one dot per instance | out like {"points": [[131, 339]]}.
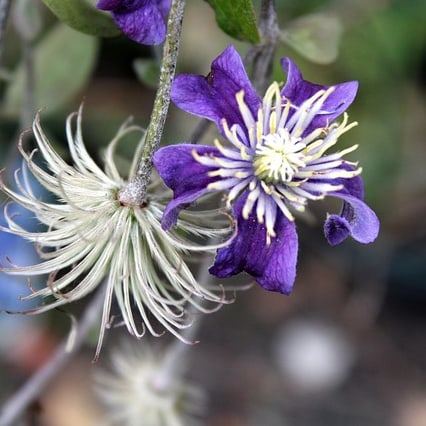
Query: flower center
{"points": [[278, 157]]}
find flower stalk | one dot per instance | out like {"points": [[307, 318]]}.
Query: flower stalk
{"points": [[134, 192], [15, 407], [4, 13], [261, 56]]}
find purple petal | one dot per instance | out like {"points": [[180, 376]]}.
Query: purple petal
{"points": [[273, 266], [109, 4], [184, 175], [141, 20], [131, 5], [298, 90], [213, 97], [353, 186], [164, 7], [122, 5], [356, 218], [336, 229]]}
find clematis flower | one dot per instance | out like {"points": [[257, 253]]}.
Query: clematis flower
{"points": [[90, 237], [273, 161], [143, 21]]}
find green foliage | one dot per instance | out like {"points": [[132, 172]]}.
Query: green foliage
{"points": [[64, 59], [147, 71], [314, 36], [83, 17], [384, 50], [237, 19]]}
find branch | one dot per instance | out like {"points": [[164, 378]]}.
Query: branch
{"points": [[262, 55], [18, 403], [4, 13], [135, 192]]}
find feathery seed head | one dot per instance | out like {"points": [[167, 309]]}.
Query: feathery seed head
{"points": [[90, 236], [132, 397]]}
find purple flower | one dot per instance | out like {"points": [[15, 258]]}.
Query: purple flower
{"points": [[276, 159], [143, 21]]}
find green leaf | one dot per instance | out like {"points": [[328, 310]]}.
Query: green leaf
{"points": [[64, 59], [237, 19], [83, 17], [147, 71], [314, 36]]}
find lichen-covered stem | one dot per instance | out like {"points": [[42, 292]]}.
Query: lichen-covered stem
{"points": [[134, 192]]}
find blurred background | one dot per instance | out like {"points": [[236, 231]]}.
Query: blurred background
{"points": [[348, 347]]}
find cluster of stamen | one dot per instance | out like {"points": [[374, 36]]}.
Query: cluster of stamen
{"points": [[277, 159]]}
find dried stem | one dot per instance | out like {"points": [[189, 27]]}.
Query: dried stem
{"points": [[262, 55], [28, 106], [135, 192], [4, 13], [15, 407], [200, 130]]}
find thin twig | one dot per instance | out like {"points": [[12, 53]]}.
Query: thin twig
{"points": [[162, 99], [4, 13], [28, 105], [200, 130], [27, 31], [135, 191], [262, 55], [16, 406], [28, 25]]}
